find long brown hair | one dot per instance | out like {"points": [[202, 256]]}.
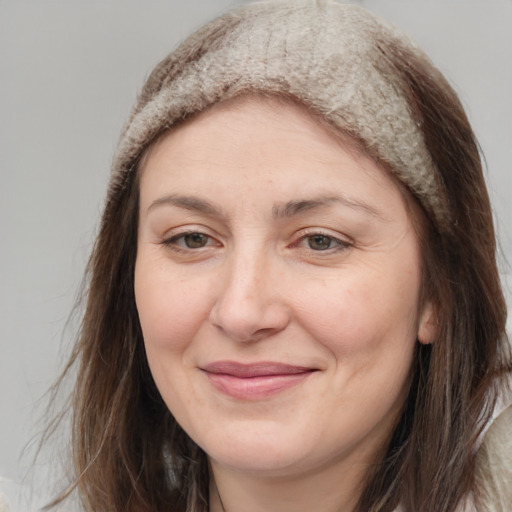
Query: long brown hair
{"points": [[129, 453], [430, 461]]}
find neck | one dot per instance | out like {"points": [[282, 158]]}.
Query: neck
{"points": [[329, 490]]}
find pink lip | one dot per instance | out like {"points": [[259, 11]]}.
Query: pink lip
{"points": [[254, 381]]}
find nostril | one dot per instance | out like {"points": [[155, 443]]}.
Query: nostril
{"points": [[266, 332], [246, 324], [242, 333]]}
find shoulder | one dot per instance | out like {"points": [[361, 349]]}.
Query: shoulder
{"points": [[493, 471]]}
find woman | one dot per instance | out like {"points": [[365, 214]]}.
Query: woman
{"points": [[293, 300]]}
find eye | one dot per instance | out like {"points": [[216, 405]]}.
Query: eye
{"points": [[318, 242], [189, 240], [195, 240]]}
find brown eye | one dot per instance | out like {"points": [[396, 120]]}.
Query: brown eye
{"points": [[190, 241], [195, 240], [319, 242]]}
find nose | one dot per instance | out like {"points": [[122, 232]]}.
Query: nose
{"points": [[249, 302]]}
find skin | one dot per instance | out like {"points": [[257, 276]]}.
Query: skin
{"points": [[263, 238]]}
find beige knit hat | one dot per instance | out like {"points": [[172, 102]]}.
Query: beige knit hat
{"points": [[325, 54]]}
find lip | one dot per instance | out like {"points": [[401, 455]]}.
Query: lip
{"points": [[254, 381]]}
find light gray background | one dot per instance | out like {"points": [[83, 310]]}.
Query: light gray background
{"points": [[69, 73]]}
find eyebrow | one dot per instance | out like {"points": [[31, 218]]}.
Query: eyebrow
{"points": [[285, 210], [191, 203], [296, 207]]}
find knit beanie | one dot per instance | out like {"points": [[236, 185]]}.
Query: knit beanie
{"points": [[328, 56]]}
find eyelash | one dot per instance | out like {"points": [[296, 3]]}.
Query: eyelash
{"points": [[339, 245], [172, 242]]}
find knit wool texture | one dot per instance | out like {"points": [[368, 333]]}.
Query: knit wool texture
{"points": [[322, 53]]}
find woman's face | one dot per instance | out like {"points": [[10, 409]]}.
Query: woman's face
{"points": [[277, 283]]}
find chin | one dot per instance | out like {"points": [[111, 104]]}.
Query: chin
{"points": [[260, 451]]}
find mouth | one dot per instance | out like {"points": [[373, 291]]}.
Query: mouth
{"points": [[254, 381]]}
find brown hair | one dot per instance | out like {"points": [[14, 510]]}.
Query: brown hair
{"points": [[129, 453], [430, 462]]}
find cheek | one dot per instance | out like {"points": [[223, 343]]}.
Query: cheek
{"points": [[171, 308], [364, 312], [368, 325]]}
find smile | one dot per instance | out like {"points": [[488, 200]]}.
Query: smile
{"points": [[254, 381]]}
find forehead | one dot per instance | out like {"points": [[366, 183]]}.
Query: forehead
{"points": [[277, 106], [254, 140], [252, 108]]}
